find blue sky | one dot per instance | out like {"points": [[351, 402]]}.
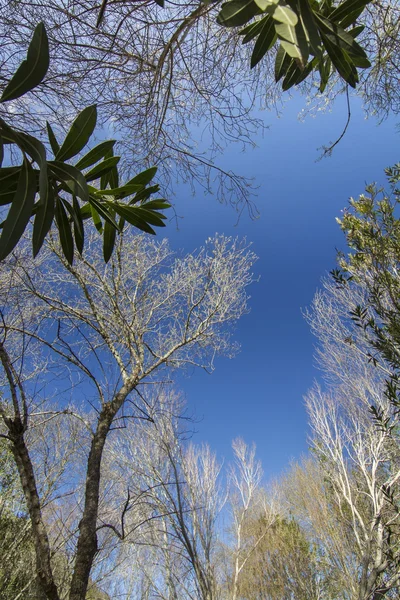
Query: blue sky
{"points": [[258, 395]]}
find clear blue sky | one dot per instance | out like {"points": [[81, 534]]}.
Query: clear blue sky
{"points": [[259, 394]]}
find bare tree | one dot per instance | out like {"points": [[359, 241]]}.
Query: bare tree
{"points": [[247, 501], [359, 458], [107, 331], [179, 486]]}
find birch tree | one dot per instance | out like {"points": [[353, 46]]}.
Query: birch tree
{"points": [[102, 332]]}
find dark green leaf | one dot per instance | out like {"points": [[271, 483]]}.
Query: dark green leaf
{"points": [[64, 231], [103, 211], [160, 3], [282, 63], [75, 214], [109, 236], [43, 219], [252, 30], [308, 21], [341, 61], [55, 146], [355, 32], [32, 70], [79, 231], [151, 216], [324, 70], [1, 151], [74, 180], [144, 177], [96, 219], [348, 12], [20, 210], [120, 192], [111, 178], [157, 205], [144, 194], [130, 214], [95, 154], [237, 12], [264, 42], [102, 168], [79, 133], [339, 37]]}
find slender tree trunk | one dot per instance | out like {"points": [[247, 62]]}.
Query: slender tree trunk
{"points": [[87, 540], [40, 538]]}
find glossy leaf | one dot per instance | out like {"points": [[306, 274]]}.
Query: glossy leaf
{"points": [[237, 12], [289, 43], [79, 231], [282, 63], [103, 211], [96, 219], [252, 30], [43, 219], [284, 14], [310, 27], [75, 215], [102, 168], [20, 210], [79, 133], [264, 42], [55, 146], [109, 235], [157, 205], [132, 215], [64, 231], [341, 61], [151, 217], [348, 12], [145, 194], [339, 37], [144, 177], [120, 192], [111, 178], [324, 70], [95, 154], [32, 70], [72, 177]]}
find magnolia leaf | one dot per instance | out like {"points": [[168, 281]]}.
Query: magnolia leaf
{"points": [[289, 41], [20, 210], [95, 154], [282, 63], [79, 133], [341, 61], [237, 12], [33, 69], [284, 14], [252, 30], [64, 231], [102, 168], [144, 177], [72, 177], [265, 41], [348, 12], [55, 146]]}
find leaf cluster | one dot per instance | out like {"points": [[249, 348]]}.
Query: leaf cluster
{"points": [[311, 35], [372, 230], [56, 191]]}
